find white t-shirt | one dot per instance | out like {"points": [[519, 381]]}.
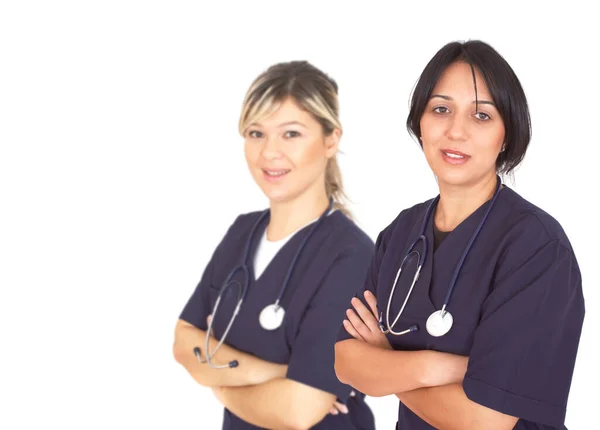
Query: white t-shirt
{"points": [[267, 249]]}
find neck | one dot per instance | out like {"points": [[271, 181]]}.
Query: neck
{"points": [[457, 203], [287, 217]]}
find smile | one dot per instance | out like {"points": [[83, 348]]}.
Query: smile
{"points": [[276, 173], [454, 157]]}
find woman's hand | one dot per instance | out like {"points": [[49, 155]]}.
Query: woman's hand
{"points": [[362, 324], [340, 407]]}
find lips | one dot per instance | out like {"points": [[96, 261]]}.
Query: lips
{"points": [[454, 157], [275, 174]]}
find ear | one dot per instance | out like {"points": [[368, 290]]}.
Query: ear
{"points": [[332, 143]]}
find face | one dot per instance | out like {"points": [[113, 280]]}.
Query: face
{"points": [[287, 153], [461, 140]]}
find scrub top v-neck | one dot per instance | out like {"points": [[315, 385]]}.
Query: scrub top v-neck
{"points": [[518, 306], [328, 273]]}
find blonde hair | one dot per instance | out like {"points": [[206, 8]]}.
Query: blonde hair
{"points": [[313, 91]]}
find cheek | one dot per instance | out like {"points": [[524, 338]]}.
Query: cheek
{"points": [[430, 137], [306, 154], [431, 153], [491, 141], [431, 130], [250, 153], [500, 139]]}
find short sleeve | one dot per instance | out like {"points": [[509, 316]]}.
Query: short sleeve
{"points": [[525, 346], [369, 283], [197, 308], [312, 358]]}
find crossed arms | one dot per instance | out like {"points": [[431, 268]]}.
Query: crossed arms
{"points": [[257, 391], [429, 383]]}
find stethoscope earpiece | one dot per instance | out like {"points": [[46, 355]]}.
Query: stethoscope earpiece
{"points": [[197, 354], [231, 364]]}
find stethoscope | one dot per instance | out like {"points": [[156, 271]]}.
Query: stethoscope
{"points": [[271, 317], [439, 322]]}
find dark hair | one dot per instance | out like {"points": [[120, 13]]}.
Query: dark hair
{"points": [[504, 86]]}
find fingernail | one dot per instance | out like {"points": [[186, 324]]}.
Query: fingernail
{"points": [[367, 293], [334, 412], [344, 409], [345, 322]]}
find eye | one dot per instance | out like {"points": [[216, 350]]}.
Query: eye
{"points": [[482, 116], [255, 134], [291, 134], [441, 110]]}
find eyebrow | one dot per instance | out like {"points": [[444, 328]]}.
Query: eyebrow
{"points": [[283, 124], [483, 102]]}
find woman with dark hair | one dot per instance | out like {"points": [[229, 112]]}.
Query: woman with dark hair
{"points": [[473, 307]]}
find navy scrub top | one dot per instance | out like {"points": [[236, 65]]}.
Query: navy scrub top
{"points": [[518, 306], [328, 273]]}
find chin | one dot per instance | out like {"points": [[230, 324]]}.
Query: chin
{"points": [[454, 177], [278, 198], [462, 178], [278, 195]]}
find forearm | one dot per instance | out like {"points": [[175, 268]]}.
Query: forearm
{"points": [[448, 408], [250, 370], [277, 404], [379, 372], [376, 371]]}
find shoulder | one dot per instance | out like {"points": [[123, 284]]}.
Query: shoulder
{"points": [[528, 225], [238, 231], [402, 224], [345, 233], [342, 243], [530, 240], [245, 221], [340, 260]]}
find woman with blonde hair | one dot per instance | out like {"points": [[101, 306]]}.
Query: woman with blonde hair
{"points": [[259, 327]]}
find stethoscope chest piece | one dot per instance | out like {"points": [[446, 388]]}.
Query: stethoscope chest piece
{"points": [[271, 317], [439, 323]]}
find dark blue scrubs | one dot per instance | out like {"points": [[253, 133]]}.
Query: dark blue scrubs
{"points": [[328, 273], [518, 306]]}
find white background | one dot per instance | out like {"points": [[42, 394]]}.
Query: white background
{"points": [[121, 168]]}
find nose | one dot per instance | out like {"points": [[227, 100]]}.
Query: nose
{"points": [[271, 149], [457, 128]]}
